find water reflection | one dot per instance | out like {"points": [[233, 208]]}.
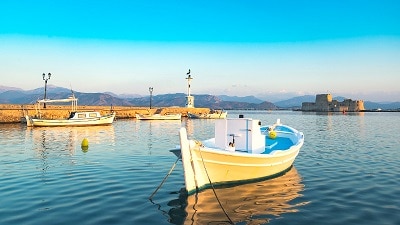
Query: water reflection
{"points": [[55, 146], [150, 138], [204, 128], [67, 139], [255, 203], [188, 124], [153, 134]]}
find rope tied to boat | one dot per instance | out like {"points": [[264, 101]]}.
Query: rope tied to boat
{"points": [[212, 187], [165, 178]]}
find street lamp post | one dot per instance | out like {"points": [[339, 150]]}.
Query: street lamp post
{"points": [[45, 86], [151, 93]]}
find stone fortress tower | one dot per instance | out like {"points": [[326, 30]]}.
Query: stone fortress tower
{"points": [[325, 103]]}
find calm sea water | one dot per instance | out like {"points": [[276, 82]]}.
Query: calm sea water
{"points": [[346, 173]]}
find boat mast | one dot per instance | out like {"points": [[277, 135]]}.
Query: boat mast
{"points": [[189, 98]]}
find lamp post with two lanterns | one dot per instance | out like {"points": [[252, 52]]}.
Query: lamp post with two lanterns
{"points": [[45, 85]]}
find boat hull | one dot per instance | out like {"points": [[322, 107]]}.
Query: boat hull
{"points": [[221, 115], [103, 120], [244, 203], [159, 117], [204, 166]]}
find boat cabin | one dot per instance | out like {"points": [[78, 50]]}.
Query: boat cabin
{"points": [[83, 115], [239, 134]]}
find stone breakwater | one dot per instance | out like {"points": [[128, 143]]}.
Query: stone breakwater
{"points": [[11, 113]]}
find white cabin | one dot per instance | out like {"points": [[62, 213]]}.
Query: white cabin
{"points": [[83, 115], [239, 134]]}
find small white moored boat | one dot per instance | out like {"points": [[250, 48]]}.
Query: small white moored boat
{"points": [[76, 118], [158, 116], [214, 114], [242, 151]]}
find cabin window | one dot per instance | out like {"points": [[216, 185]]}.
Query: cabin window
{"points": [[81, 116], [92, 114]]}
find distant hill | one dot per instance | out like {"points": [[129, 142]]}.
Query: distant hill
{"points": [[206, 101], [124, 95], [295, 102], [248, 99], [50, 89], [12, 95], [384, 106], [19, 96], [5, 88]]}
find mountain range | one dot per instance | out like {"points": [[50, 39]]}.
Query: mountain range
{"points": [[10, 95]]}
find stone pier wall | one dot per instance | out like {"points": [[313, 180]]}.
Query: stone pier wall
{"points": [[10, 113]]}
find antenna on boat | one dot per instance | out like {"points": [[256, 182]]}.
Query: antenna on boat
{"points": [[111, 108], [72, 92]]}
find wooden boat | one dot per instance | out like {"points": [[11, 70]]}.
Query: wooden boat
{"points": [[214, 114], [158, 116], [241, 151], [76, 118]]}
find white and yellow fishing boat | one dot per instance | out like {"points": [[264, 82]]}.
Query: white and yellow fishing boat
{"points": [[76, 118], [213, 114], [242, 151], [157, 116]]}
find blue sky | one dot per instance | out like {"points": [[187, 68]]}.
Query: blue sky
{"points": [[270, 49]]}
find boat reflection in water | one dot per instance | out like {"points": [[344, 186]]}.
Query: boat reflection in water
{"points": [[68, 139], [253, 203]]}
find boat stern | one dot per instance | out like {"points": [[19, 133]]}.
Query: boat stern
{"points": [[29, 121]]}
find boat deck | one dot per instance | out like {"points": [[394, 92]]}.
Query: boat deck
{"points": [[279, 143]]}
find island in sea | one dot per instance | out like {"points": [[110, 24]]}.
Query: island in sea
{"points": [[325, 103]]}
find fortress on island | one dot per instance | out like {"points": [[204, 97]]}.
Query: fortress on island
{"points": [[324, 103]]}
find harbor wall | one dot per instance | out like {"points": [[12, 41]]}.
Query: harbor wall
{"points": [[12, 113]]}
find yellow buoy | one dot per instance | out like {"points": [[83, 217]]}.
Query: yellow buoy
{"points": [[85, 148], [85, 145], [85, 142], [272, 134]]}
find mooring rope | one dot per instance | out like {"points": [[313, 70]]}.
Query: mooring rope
{"points": [[165, 178], [213, 189]]}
